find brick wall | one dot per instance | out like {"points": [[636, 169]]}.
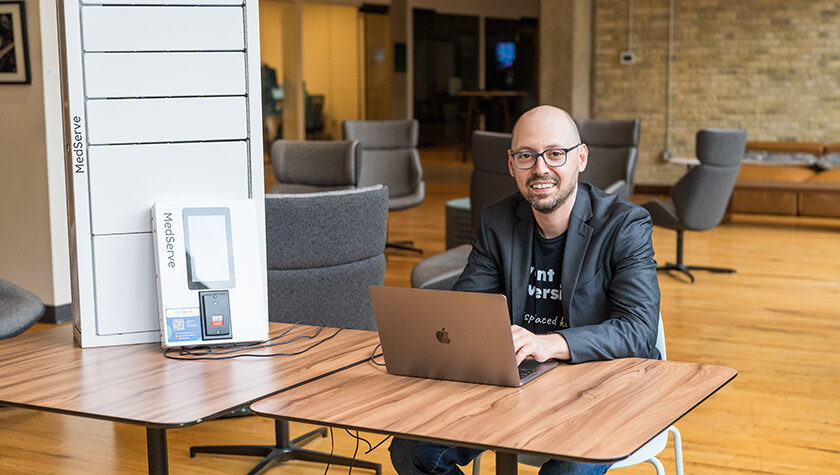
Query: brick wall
{"points": [[770, 66]]}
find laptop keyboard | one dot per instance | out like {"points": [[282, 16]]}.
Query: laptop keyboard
{"points": [[524, 372]]}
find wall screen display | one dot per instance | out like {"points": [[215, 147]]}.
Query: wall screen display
{"points": [[209, 248]]}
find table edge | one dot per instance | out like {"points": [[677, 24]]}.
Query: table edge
{"points": [[502, 449]]}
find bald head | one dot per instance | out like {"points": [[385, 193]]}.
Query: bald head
{"points": [[545, 121]]}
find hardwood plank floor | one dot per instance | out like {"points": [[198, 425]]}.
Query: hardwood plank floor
{"points": [[775, 321]]}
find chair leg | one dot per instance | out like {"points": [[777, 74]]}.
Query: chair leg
{"points": [[477, 465], [678, 456], [284, 450], [660, 470], [679, 266], [404, 245]]}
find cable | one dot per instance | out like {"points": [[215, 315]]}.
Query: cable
{"points": [[358, 438], [370, 448], [355, 452], [374, 355], [377, 445], [232, 348], [332, 449], [186, 354]]}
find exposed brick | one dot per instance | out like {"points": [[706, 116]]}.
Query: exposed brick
{"points": [[770, 66]]}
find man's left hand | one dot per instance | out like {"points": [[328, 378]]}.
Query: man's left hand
{"points": [[540, 347]]}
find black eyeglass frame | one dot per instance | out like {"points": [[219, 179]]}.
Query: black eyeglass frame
{"points": [[542, 154]]}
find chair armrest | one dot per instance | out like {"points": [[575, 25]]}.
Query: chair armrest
{"points": [[619, 188]]}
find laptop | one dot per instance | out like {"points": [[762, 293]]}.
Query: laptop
{"points": [[443, 334]]}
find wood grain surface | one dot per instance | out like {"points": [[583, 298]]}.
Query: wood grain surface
{"points": [[135, 383], [775, 320], [599, 411]]}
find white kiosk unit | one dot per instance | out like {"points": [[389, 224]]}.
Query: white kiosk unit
{"points": [[209, 273], [162, 102]]}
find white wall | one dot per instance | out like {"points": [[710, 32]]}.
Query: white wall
{"points": [[33, 228]]}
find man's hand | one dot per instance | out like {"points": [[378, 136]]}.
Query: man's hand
{"points": [[541, 347]]}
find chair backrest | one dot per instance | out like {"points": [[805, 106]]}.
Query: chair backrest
{"points": [[701, 196], [490, 179], [389, 157], [19, 309], [307, 166], [613, 152], [323, 252]]}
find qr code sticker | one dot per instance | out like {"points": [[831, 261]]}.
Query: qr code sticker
{"points": [[178, 324]]}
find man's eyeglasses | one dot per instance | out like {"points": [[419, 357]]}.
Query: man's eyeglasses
{"points": [[553, 157]]}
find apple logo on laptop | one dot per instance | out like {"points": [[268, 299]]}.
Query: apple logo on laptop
{"points": [[443, 335]]}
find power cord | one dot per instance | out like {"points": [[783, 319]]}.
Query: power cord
{"points": [[362, 439], [224, 352], [373, 355], [332, 449]]}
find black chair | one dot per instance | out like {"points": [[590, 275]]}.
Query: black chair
{"points": [[699, 199], [19, 309], [314, 116], [323, 250]]}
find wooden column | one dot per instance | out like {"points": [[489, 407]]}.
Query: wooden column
{"points": [[294, 123]]}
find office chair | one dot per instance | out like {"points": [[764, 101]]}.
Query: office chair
{"points": [[19, 309], [699, 199], [309, 166], [389, 157], [323, 250], [314, 116], [646, 453], [613, 154], [490, 181]]}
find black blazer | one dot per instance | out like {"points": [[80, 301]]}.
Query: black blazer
{"points": [[608, 277]]}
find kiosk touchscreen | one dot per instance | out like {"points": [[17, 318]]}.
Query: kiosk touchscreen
{"points": [[209, 274]]}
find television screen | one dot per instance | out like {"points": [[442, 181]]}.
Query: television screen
{"points": [[505, 55]]}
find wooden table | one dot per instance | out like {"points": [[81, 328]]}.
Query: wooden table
{"points": [[597, 412], [471, 97], [135, 384]]}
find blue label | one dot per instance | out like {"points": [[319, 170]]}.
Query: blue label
{"points": [[183, 328]]}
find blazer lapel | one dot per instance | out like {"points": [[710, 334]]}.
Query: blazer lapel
{"points": [[577, 241], [520, 263]]}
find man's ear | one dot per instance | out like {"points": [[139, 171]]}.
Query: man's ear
{"points": [[510, 163], [583, 157]]}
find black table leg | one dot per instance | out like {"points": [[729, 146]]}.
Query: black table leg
{"points": [[156, 451], [506, 463]]}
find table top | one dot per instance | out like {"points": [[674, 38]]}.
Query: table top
{"points": [[136, 384], [595, 412]]}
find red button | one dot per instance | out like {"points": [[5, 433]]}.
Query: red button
{"points": [[217, 321]]}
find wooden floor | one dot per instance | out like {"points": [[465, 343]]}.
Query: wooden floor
{"points": [[776, 321]]}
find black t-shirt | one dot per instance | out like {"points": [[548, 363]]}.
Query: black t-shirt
{"points": [[544, 305]]}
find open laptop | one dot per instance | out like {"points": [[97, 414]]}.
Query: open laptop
{"points": [[442, 334]]}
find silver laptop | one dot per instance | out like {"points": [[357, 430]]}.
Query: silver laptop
{"points": [[442, 334]]}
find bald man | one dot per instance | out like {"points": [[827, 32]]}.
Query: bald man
{"points": [[575, 263]]}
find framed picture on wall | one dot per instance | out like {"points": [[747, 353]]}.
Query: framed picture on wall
{"points": [[14, 53]]}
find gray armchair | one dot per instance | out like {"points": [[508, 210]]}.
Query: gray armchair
{"points": [[309, 166], [613, 153], [19, 309], [699, 199], [323, 252], [389, 157], [490, 181]]}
